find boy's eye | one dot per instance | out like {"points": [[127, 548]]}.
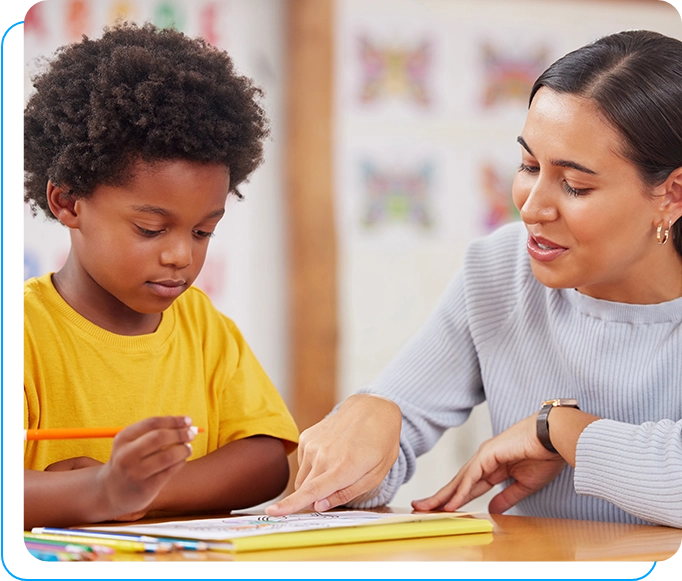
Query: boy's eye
{"points": [[149, 233], [202, 234]]}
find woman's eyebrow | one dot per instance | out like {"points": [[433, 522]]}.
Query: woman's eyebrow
{"points": [[559, 162], [523, 143]]}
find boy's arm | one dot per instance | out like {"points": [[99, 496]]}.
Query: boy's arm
{"points": [[240, 474], [144, 457], [63, 498]]}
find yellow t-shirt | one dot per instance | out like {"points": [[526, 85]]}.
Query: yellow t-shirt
{"points": [[196, 363]]}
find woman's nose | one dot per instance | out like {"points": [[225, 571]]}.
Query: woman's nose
{"points": [[537, 203]]}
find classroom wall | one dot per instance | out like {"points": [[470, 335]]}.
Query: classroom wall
{"points": [[429, 96]]}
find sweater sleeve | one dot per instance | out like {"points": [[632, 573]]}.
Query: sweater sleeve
{"points": [[435, 379], [636, 467]]}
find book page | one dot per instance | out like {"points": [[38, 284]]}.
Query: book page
{"points": [[226, 529]]}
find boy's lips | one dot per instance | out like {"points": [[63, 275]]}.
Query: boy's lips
{"points": [[168, 282], [167, 288]]}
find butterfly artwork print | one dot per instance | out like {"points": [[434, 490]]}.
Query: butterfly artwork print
{"points": [[395, 72], [509, 78], [495, 186], [395, 197]]}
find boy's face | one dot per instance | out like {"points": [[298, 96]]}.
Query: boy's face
{"points": [[141, 245]]}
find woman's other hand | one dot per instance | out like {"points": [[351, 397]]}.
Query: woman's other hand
{"points": [[516, 453]]}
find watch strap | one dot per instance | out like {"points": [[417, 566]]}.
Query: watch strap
{"points": [[543, 428], [542, 423]]}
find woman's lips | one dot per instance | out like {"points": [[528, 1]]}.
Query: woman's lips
{"points": [[542, 249]]}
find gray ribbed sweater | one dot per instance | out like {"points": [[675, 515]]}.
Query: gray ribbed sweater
{"points": [[498, 334]]}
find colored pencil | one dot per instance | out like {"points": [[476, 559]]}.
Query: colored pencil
{"points": [[72, 433], [95, 536], [55, 555], [118, 544], [60, 540], [68, 548], [85, 553]]}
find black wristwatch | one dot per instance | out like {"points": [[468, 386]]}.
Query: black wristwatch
{"points": [[543, 425]]}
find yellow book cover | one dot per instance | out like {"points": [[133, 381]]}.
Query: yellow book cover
{"points": [[257, 532], [356, 534]]}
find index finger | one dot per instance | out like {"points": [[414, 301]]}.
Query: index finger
{"points": [[311, 490]]}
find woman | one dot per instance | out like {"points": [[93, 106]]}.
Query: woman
{"points": [[582, 306]]}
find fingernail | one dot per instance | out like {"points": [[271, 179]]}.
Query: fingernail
{"points": [[192, 432], [322, 505], [189, 447], [188, 421]]}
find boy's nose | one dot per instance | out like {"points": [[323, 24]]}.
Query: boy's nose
{"points": [[177, 253]]}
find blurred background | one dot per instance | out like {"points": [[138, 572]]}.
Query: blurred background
{"points": [[393, 144]]}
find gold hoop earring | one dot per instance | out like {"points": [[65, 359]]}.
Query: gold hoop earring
{"points": [[662, 239]]}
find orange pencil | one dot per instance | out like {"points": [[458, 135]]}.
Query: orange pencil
{"points": [[71, 433]]}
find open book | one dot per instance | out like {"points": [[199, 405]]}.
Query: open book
{"points": [[261, 532]]}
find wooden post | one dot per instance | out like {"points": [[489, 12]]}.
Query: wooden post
{"points": [[312, 238]]}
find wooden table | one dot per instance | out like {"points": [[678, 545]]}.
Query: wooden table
{"points": [[514, 538]]}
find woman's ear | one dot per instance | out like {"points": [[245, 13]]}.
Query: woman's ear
{"points": [[669, 194], [62, 205]]}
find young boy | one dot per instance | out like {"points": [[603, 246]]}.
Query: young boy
{"points": [[134, 142]]}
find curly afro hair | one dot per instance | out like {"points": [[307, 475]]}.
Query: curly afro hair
{"points": [[137, 93]]}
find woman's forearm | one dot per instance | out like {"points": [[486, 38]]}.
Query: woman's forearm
{"points": [[565, 426]]}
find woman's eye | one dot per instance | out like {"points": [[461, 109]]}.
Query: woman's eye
{"points": [[575, 191], [529, 168]]}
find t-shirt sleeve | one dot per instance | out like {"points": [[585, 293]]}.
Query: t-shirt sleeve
{"points": [[250, 404], [636, 467]]}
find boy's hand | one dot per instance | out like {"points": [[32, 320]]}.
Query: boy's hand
{"points": [[131, 516], [87, 462], [145, 456]]}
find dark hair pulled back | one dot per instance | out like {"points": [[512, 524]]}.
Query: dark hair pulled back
{"points": [[635, 79]]}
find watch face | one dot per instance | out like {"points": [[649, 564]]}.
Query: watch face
{"points": [[560, 402]]}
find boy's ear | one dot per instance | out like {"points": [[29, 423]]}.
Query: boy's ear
{"points": [[62, 205]]}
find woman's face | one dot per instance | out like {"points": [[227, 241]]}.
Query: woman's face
{"points": [[591, 221]]}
